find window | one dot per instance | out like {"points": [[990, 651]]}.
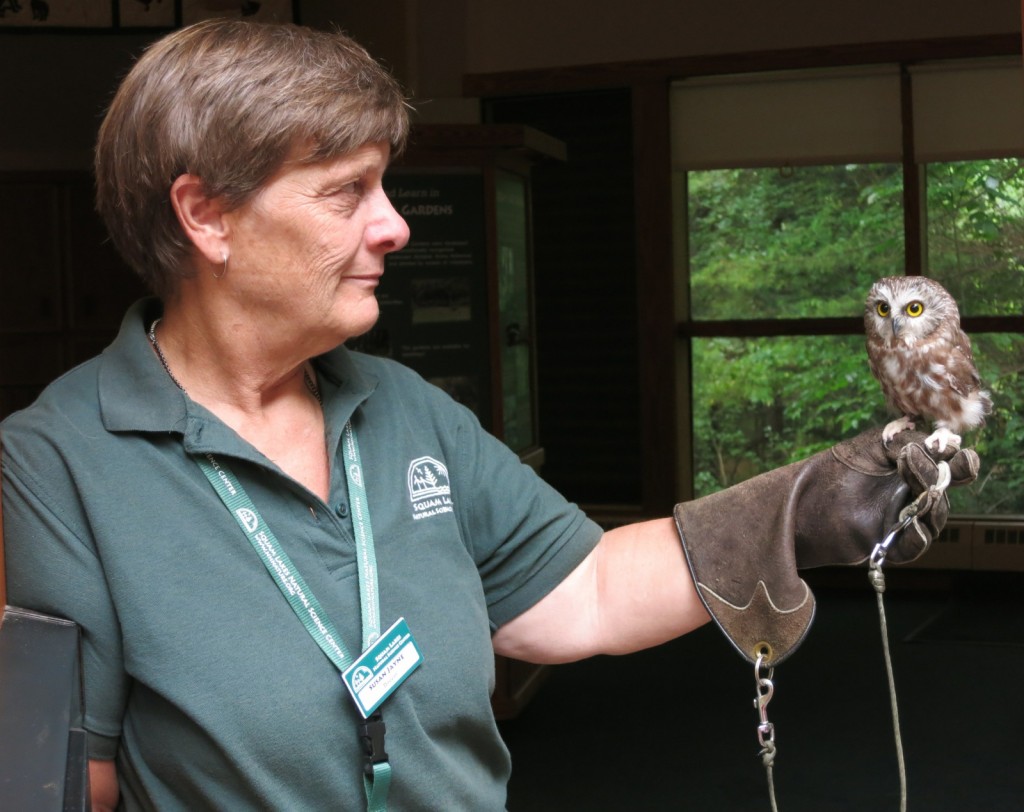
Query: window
{"points": [[784, 245], [759, 403], [975, 248], [791, 243], [785, 221], [975, 233]]}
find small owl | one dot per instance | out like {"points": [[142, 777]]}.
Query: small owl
{"points": [[923, 359]]}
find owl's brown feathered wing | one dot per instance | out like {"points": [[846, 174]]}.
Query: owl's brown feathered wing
{"points": [[962, 374]]}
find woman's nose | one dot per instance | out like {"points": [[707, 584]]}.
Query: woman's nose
{"points": [[389, 230]]}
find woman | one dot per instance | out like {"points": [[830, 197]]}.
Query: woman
{"points": [[233, 507], [239, 172]]}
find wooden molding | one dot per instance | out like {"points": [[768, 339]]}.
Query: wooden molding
{"points": [[839, 325], [655, 295], [625, 74]]}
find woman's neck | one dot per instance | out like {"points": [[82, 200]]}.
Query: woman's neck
{"points": [[270, 400], [221, 359]]}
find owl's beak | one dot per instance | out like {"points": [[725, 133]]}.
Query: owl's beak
{"points": [[897, 325]]}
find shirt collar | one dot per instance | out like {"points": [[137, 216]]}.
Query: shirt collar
{"points": [[137, 394]]}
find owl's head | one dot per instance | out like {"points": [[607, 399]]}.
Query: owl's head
{"points": [[907, 308]]}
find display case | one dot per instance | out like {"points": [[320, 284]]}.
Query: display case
{"points": [[457, 302]]}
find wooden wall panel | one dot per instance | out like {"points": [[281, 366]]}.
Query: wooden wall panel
{"points": [[586, 295]]}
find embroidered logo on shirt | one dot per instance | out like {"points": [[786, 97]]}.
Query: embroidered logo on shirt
{"points": [[429, 488]]}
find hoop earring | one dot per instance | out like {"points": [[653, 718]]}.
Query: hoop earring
{"points": [[224, 270]]}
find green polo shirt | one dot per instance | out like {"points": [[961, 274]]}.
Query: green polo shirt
{"points": [[199, 677]]}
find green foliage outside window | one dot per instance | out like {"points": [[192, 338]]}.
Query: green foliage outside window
{"points": [[976, 234], [808, 242], [792, 243]]}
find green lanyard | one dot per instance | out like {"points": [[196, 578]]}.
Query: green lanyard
{"points": [[366, 557], [377, 771]]}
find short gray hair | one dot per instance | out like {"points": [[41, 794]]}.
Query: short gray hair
{"points": [[229, 101]]}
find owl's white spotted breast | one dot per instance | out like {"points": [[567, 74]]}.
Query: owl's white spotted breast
{"points": [[913, 378]]}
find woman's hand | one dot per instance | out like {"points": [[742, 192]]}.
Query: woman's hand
{"points": [[103, 786]]}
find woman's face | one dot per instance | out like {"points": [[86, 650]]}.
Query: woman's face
{"points": [[307, 252]]}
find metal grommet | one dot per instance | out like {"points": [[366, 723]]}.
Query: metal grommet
{"points": [[764, 651]]}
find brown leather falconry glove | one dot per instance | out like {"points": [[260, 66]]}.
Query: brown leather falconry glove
{"points": [[745, 544]]}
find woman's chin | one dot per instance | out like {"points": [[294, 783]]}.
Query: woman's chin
{"points": [[360, 321]]}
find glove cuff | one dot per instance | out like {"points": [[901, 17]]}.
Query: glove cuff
{"points": [[761, 629], [743, 545], [751, 591]]}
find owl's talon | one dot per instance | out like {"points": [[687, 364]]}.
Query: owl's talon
{"points": [[895, 427], [940, 439]]}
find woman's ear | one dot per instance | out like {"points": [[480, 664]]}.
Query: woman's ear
{"points": [[201, 217]]}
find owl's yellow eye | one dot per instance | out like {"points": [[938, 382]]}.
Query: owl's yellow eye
{"points": [[883, 309], [914, 309]]}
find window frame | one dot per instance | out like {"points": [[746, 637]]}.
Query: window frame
{"points": [[668, 475]]}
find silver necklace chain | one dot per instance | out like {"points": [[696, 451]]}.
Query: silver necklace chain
{"points": [[160, 354], [311, 384]]}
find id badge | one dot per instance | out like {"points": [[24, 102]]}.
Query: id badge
{"points": [[382, 667]]}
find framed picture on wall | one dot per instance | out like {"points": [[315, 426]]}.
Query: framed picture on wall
{"points": [[57, 13], [146, 13], [276, 11], [135, 15]]}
